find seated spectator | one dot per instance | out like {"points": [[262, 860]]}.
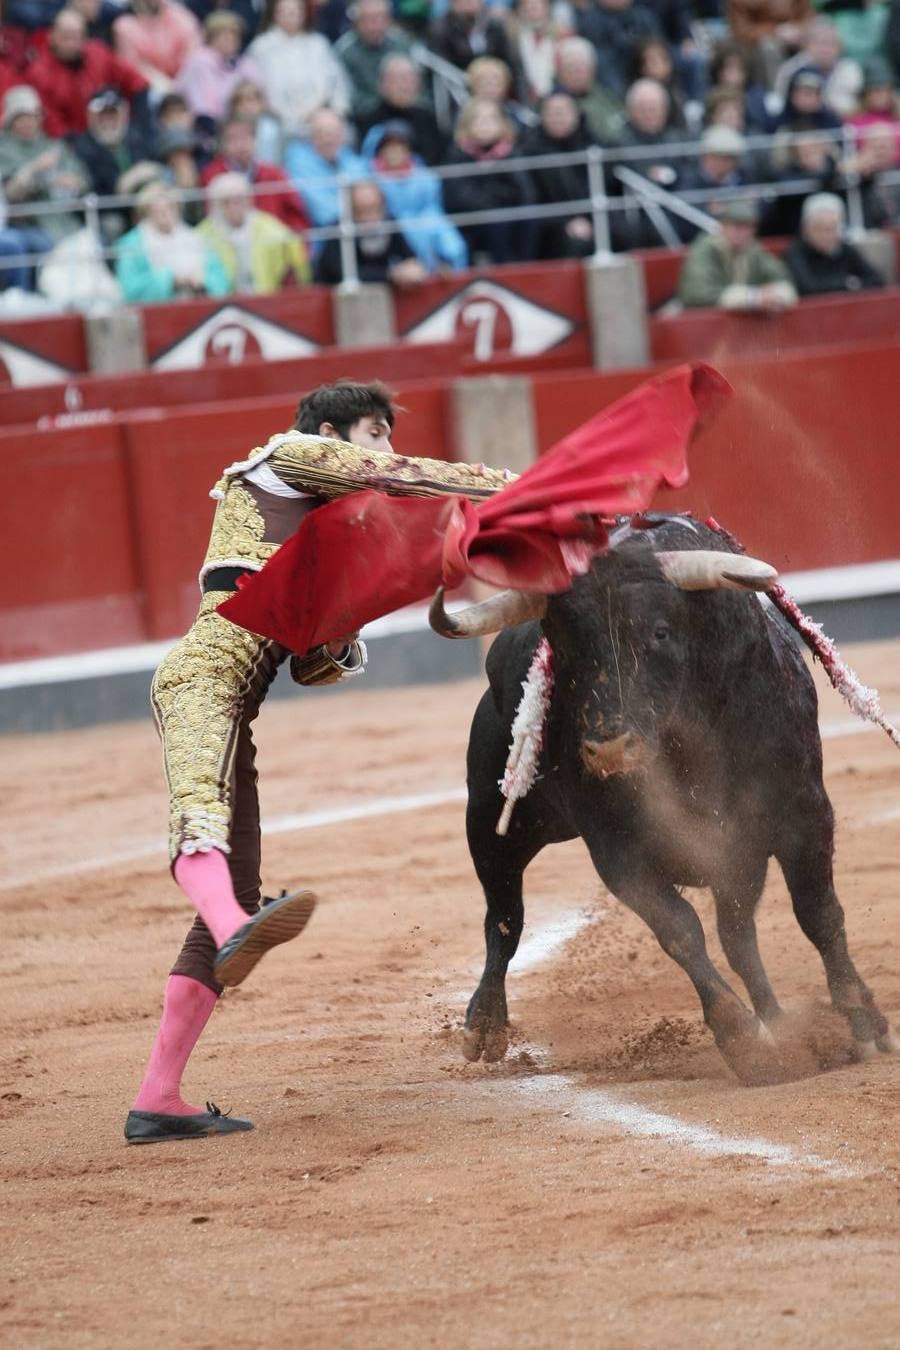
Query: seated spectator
{"points": [[732, 270], [300, 72], [864, 173], [157, 37], [467, 30], [162, 258], [805, 103], [99, 17], [562, 131], [382, 255], [412, 194], [535, 36], [719, 165], [71, 69], [822, 51], [576, 75], [803, 154], [248, 101], [729, 70], [820, 260], [317, 166], [615, 27], [491, 79], [768, 31], [248, 11], [400, 96], [878, 103], [36, 168], [258, 253], [237, 154], [652, 60], [485, 136], [173, 114], [363, 50], [110, 145], [175, 151], [209, 76], [646, 118]]}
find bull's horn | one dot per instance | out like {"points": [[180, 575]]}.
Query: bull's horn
{"points": [[706, 569], [501, 611]]}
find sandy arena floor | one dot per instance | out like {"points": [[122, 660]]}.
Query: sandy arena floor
{"points": [[609, 1185]]}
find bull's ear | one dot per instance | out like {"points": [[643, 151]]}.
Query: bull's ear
{"points": [[501, 611], [709, 570]]}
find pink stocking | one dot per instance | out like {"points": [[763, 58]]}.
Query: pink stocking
{"points": [[186, 1011], [206, 880]]}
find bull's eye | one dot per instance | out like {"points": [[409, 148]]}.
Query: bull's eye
{"points": [[661, 632]]}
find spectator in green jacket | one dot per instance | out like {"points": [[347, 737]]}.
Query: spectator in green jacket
{"points": [[730, 269]]}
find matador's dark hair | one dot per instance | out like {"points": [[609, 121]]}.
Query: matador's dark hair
{"points": [[343, 404]]}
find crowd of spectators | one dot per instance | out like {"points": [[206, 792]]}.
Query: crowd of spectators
{"points": [[194, 144]]}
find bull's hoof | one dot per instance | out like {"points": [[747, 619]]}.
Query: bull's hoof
{"points": [[745, 1043], [496, 1043], [473, 1043], [889, 1044]]}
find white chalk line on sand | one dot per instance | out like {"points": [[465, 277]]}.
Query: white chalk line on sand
{"points": [[593, 1106], [303, 820]]}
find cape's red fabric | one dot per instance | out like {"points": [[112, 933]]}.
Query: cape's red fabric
{"points": [[368, 554]]}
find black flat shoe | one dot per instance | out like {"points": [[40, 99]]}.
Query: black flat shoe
{"points": [[152, 1127], [278, 921]]}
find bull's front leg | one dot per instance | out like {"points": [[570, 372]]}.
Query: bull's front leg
{"points": [[486, 1031], [742, 1039]]}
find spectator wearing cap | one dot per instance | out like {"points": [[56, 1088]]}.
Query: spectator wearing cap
{"points": [[382, 254], [719, 165], [731, 270], [72, 68], [208, 77], [400, 96], [36, 168], [363, 50], [413, 195], [110, 145], [157, 37], [300, 72], [174, 114], [878, 103], [164, 259], [317, 166], [822, 51], [237, 154], [561, 131], [258, 253], [820, 260], [176, 153]]}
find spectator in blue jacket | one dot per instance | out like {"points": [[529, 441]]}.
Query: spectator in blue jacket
{"points": [[316, 166], [411, 192], [164, 259]]}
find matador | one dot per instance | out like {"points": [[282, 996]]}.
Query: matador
{"points": [[206, 694]]}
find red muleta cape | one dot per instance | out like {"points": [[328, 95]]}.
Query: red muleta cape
{"points": [[367, 554]]}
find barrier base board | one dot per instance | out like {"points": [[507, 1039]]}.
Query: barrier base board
{"points": [[396, 659]]}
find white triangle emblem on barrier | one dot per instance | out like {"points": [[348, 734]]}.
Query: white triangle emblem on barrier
{"points": [[534, 329], [234, 333], [27, 368]]}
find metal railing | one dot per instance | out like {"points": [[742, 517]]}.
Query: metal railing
{"points": [[637, 193]]}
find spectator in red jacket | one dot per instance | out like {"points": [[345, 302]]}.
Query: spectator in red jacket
{"points": [[237, 154], [71, 69]]}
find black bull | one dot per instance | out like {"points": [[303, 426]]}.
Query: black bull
{"points": [[682, 745]]}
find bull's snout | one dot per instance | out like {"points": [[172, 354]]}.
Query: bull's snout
{"points": [[621, 754]]}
